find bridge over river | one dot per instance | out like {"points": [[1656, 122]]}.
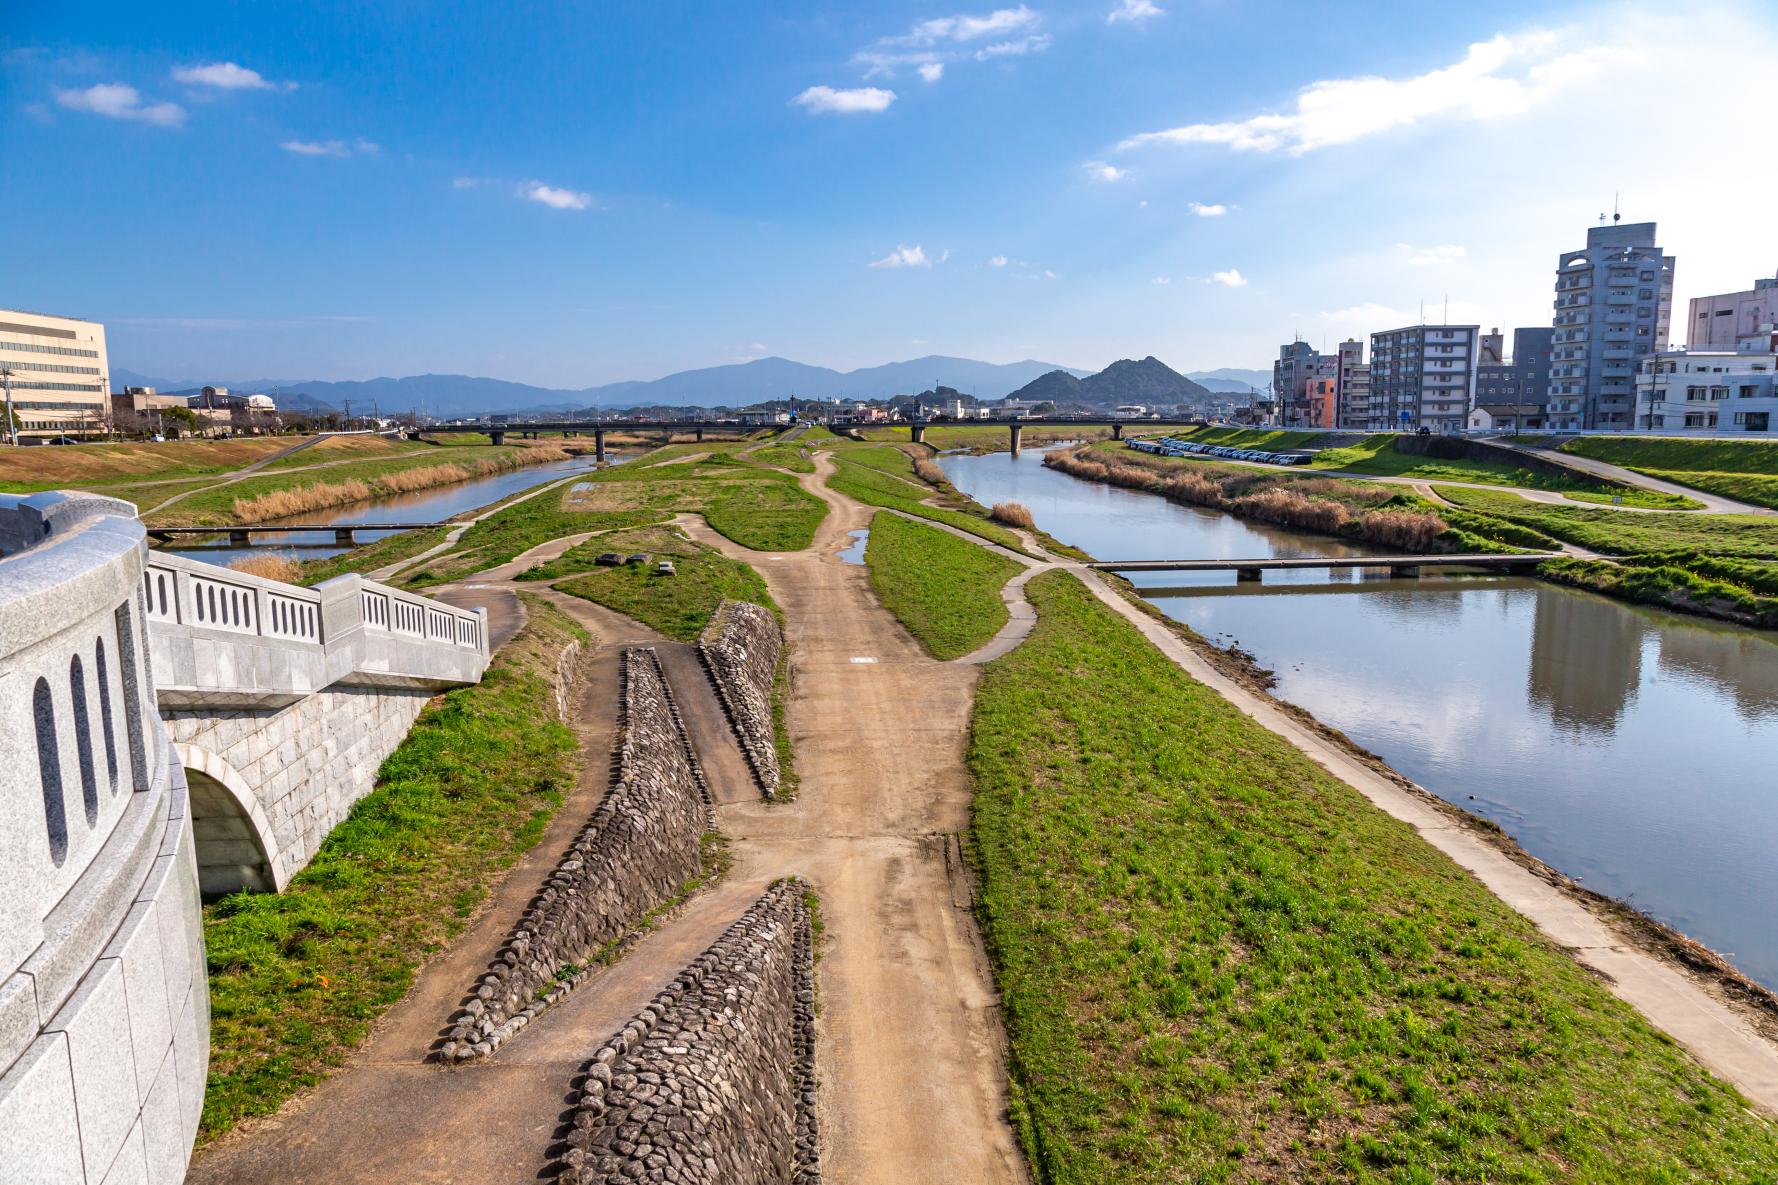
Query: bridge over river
{"points": [[172, 730]]}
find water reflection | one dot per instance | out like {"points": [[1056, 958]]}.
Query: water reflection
{"points": [[1629, 747]]}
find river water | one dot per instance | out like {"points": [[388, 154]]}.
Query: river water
{"points": [[422, 506], [1635, 750]]}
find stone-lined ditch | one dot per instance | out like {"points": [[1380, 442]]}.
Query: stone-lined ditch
{"points": [[740, 648]]}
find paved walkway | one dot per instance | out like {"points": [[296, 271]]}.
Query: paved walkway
{"points": [[1713, 503]]}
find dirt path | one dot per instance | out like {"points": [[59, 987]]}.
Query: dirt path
{"points": [[910, 1057]]}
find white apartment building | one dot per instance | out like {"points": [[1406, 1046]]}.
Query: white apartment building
{"points": [[1708, 391], [58, 373], [1718, 322], [1423, 376]]}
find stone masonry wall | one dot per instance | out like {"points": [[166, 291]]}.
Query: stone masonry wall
{"points": [[307, 763], [740, 648], [641, 845], [713, 1082]]}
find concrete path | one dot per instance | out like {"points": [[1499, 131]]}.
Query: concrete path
{"points": [[1670, 1001]]}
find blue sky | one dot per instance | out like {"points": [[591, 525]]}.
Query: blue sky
{"points": [[575, 194]]}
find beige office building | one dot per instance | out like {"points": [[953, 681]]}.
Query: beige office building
{"points": [[58, 373]]}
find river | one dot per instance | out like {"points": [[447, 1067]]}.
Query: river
{"points": [[422, 506], [1636, 750]]}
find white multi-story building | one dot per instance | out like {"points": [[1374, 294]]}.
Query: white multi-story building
{"points": [[1614, 299], [1718, 322], [58, 374], [1423, 376], [1708, 391]]}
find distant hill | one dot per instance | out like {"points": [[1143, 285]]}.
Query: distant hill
{"points": [[1230, 380], [735, 385], [1147, 381]]}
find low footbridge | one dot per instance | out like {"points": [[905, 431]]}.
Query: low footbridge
{"points": [[171, 730], [1398, 565]]}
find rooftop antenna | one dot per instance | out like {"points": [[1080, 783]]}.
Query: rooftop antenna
{"points": [[1615, 216], [1447, 308]]}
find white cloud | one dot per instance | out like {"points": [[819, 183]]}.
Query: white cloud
{"points": [[554, 197], [932, 71], [1163, 280], [1098, 170], [1048, 275], [1202, 210], [337, 148], [1503, 77], [824, 100], [1134, 11], [1431, 256], [997, 261], [469, 182], [115, 100], [1229, 279], [904, 256], [227, 76], [1379, 316], [967, 28], [1036, 43]]}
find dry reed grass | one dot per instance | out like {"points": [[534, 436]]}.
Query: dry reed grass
{"points": [[276, 504], [929, 471], [272, 565], [1012, 514]]}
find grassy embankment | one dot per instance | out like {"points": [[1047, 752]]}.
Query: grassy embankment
{"points": [[756, 507], [90, 466], [1746, 470], [297, 978], [945, 590], [1218, 963], [879, 475]]}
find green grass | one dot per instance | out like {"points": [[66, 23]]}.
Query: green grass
{"points": [[298, 978], [857, 477], [790, 455], [1376, 455], [1261, 438], [989, 438], [387, 550], [945, 590], [1746, 470], [1218, 963], [1614, 532], [679, 606], [758, 508]]}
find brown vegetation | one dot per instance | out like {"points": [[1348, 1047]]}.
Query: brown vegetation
{"points": [[286, 503], [272, 565], [928, 470], [1327, 505], [1012, 514]]}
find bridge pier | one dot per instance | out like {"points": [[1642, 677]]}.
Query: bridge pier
{"points": [[918, 431], [1248, 575], [698, 435], [1018, 433], [496, 437], [1117, 432], [240, 538], [599, 445], [1404, 570], [345, 536]]}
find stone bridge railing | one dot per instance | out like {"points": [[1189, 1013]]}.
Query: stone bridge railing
{"points": [[168, 728]]}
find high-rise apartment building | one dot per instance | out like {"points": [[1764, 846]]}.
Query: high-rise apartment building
{"points": [[1720, 322], [1614, 301], [58, 373], [1423, 376], [1355, 388]]}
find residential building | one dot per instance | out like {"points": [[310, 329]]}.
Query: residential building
{"points": [[1423, 376], [1491, 350], [1323, 403], [58, 373], [1505, 417], [1707, 391], [1719, 322], [1522, 379], [1355, 389], [1299, 365], [1614, 300]]}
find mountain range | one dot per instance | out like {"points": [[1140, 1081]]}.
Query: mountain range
{"points": [[1232, 380], [734, 385]]}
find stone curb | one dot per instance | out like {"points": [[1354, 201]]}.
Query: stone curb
{"points": [[733, 647]]}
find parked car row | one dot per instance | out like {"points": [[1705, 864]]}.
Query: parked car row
{"points": [[1168, 446]]}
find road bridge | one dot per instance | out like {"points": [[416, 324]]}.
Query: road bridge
{"points": [[171, 730], [597, 429], [1016, 428], [1249, 570]]}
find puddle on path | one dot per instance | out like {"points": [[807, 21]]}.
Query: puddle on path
{"points": [[854, 554]]}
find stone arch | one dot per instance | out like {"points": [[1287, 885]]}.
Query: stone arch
{"points": [[234, 840]]}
